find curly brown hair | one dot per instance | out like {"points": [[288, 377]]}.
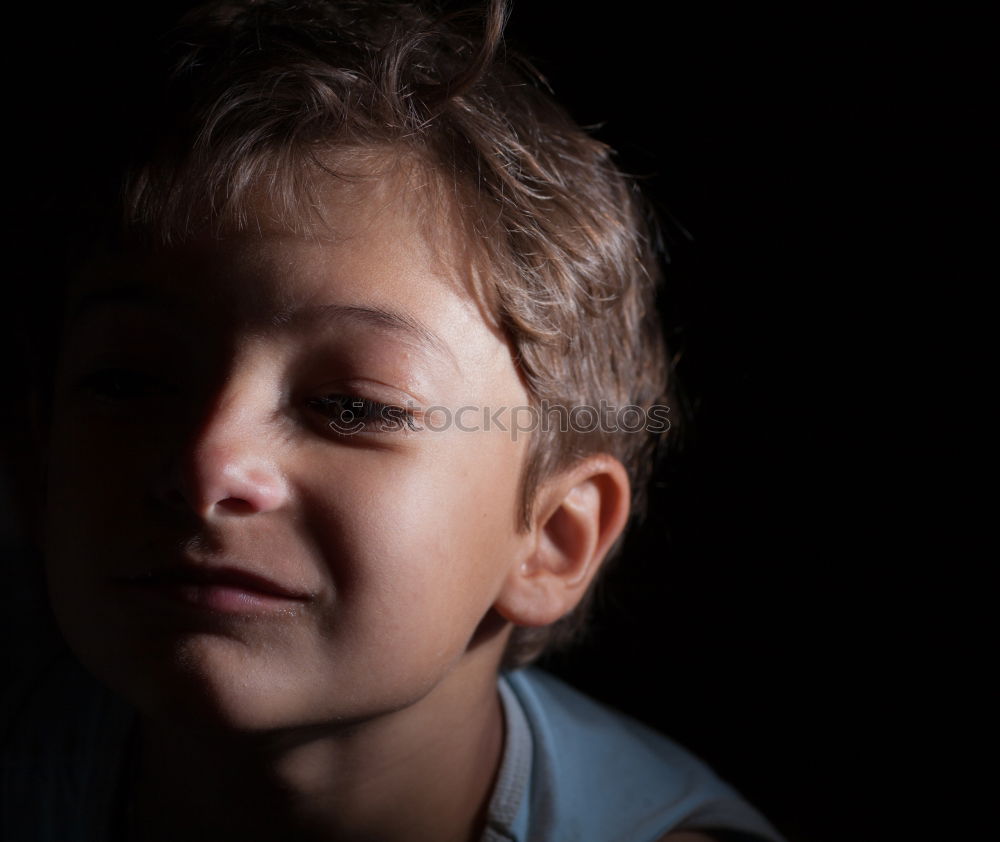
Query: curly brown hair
{"points": [[271, 94]]}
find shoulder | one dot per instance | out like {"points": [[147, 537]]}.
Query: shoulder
{"points": [[572, 730], [598, 774], [63, 740]]}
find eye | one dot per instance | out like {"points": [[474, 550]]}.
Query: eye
{"points": [[348, 415]]}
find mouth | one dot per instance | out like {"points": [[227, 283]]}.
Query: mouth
{"points": [[224, 590]]}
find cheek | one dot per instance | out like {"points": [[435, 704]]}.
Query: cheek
{"points": [[94, 484], [476, 488], [467, 500], [74, 490], [429, 530]]}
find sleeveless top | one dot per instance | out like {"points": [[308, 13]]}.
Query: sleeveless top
{"points": [[572, 769]]}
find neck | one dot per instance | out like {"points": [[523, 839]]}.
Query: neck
{"points": [[422, 773]]}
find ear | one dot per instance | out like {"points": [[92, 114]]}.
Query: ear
{"points": [[578, 515]]}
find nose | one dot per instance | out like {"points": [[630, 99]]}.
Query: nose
{"points": [[229, 465]]}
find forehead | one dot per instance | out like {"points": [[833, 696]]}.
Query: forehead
{"points": [[341, 199], [382, 250]]}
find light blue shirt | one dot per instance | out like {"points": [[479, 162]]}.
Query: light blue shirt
{"points": [[577, 771]]}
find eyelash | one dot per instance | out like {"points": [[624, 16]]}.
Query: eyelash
{"points": [[347, 415]]}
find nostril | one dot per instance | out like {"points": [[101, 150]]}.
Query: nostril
{"points": [[220, 475], [236, 506]]}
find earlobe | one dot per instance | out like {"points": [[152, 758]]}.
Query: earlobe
{"points": [[579, 515]]}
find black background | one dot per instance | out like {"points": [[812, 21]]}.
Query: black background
{"points": [[781, 611]]}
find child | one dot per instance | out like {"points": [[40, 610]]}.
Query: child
{"points": [[356, 391]]}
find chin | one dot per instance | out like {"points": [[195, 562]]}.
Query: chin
{"points": [[215, 684], [203, 685]]}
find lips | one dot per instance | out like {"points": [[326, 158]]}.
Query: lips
{"points": [[222, 576]]}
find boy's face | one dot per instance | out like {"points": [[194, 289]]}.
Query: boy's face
{"points": [[192, 427]]}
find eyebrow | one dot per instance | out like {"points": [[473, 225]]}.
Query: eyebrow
{"points": [[289, 317], [387, 320]]}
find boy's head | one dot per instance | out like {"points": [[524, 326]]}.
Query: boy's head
{"points": [[341, 215]]}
